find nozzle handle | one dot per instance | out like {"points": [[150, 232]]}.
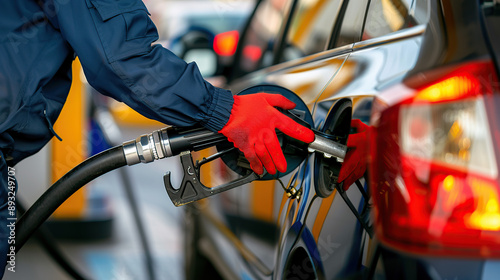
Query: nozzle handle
{"points": [[191, 188]]}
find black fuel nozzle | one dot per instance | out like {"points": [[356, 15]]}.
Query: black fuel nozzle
{"points": [[172, 141], [192, 139], [192, 189], [168, 142]]}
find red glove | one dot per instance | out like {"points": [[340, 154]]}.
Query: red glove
{"points": [[354, 166], [251, 128]]}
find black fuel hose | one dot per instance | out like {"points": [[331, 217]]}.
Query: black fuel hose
{"points": [[61, 190]]}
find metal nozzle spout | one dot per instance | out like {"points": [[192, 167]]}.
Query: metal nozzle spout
{"points": [[328, 147]]}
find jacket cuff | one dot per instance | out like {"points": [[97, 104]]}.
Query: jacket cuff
{"points": [[220, 110]]}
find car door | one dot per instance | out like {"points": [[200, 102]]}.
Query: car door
{"points": [[320, 236], [299, 63], [316, 49], [386, 51], [304, 244]]}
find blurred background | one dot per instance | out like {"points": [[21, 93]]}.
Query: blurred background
{"points": [[96, 229]]}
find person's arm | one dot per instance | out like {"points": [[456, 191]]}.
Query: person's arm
{"points": [[113, 40]]}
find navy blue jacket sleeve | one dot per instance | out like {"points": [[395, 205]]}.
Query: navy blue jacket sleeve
{"points": [[114, 41]]}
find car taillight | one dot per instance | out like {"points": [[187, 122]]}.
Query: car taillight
{"points": [[225, 43], [434, 173]]}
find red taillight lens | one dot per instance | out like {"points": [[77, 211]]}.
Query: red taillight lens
{"points": [[434, 173], [225, 43]]}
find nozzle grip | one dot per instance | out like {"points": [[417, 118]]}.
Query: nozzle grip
{"points": [[191, 188], [192, 139]]}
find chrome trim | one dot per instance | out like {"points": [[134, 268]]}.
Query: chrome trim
{"points": [[130, 153], [144, 149], [157, 142], [152, 146], [147, 147], [326, 54], [165, 143], [396, 36]]}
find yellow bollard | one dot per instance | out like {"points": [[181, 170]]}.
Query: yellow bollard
{"points": [[71, 126]]}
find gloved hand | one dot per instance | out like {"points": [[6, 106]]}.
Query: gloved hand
{"points": [[354, 165], [251, 128]]}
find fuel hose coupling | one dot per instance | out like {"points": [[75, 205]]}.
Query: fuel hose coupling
{"points": [[148, 147]]}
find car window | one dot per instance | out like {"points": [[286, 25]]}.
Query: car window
{"points": [[310, 28], [387, 16], [351, 23], [258, 43]]}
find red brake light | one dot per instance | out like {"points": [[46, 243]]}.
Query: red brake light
{"points": [[434, 173], [253, 53], [225, 43]]}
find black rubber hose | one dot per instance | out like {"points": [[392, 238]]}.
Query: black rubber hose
{"points": [[61, 190]]}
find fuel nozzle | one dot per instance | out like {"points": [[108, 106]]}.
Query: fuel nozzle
{"points": [[328, 147], [172, 141]]}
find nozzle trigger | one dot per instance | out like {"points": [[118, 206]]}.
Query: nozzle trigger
{"points": [[191, 188]]}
